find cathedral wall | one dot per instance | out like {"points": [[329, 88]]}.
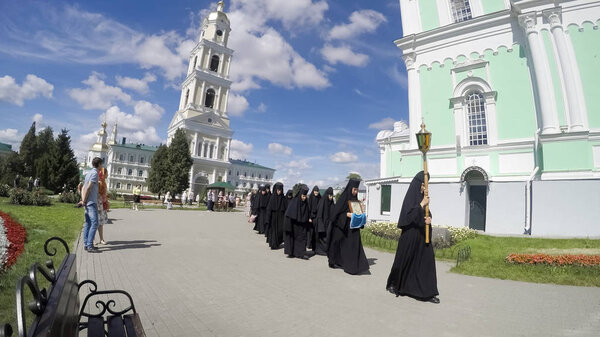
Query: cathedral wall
{"points": [[436, 84], [491, 6], [567, 155], [429, 14]]}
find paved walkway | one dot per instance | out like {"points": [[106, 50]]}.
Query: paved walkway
{"points": [[208, 274]]}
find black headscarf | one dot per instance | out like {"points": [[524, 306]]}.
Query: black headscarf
{"points": [[313, 202], [277, 202], [289, 194], [412, 199], [298, 209], [325, 205], [341, 204], [263, 199]]}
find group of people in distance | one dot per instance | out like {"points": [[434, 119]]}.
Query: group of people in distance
{"points": [[308, 221]]}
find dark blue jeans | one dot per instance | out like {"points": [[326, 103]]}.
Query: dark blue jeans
{"points": [[91, 225]]}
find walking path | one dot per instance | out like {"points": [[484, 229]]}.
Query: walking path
{"points": [[208, 274]]}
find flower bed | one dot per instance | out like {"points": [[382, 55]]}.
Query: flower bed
{"points": [[12, 241], [555, 260], [390, 230]]}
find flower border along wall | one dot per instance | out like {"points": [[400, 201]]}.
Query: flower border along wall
{"points": [[12, 241]]}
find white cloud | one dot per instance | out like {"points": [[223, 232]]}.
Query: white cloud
{"points": [[277, 148], [239, 149], [97, 94], [12, 137], [300, 164], [137, 84], [31, 88], [236, 104], [345, 55], [343, 157], [384, 124], [398, 77], [361, 22], [262, 107], [145, 115]]}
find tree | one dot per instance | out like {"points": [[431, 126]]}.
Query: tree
{"points": [[296, 189], [45, 159], [159, 171], [180, 163], [353, 175], [64, 166], [28, 151], [10, 166]]}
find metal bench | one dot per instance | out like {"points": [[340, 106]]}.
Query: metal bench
{"points": [[57, 311]]}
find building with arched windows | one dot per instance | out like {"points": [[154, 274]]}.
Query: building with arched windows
{"points": [[509, 90], [202, 109]]}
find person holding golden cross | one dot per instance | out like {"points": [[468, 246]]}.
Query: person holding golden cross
{"points": [[413, 273]]}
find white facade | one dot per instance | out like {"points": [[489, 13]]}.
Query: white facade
{"points": [[246, 176], [203, 105]]}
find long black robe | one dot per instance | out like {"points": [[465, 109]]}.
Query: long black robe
{"points": [[261, 209], [413, 272], [295, 225], [322, 222], [254, 208], [266, 203], [275, 217], [345, 247], [313, 206]]}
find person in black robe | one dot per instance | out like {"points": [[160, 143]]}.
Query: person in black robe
{"points": [[322, 222], [345, 247], [413, 272], [254, 208], [275, 216], [295, 225], [289, 195], [313, 206], [266, 218], [263, 200]]}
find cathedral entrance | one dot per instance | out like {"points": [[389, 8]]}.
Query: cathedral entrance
{"points": [[476, 181]]}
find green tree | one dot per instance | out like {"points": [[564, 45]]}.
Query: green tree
{"points": [[159, 171], [64, 167], [29, 152], [45, 159], [10, 166], [180, 163], [296, 189], [353, 175]]}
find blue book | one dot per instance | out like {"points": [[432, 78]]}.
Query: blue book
{"points": [[358, 221]]}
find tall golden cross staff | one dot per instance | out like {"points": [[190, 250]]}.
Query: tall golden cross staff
{"points": [[424, 142]]}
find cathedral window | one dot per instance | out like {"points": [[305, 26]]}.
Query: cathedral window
{"points": [[214, 63], [477, 119], [141, 160], [121, 157], [209, 101], [129, 172], [119, 170], [118, 185], [461, 10], [212, 149], [140, 173]]}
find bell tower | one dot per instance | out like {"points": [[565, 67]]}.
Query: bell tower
{"points": [[202, 109]]}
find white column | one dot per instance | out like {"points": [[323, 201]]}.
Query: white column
{"points": [[214, 174], [192, 177], [195, 147], [202, 149], [193, 89], [200, 58], [218, 148], [208, 56], [414, 98], [224, 109], [545, 90], [227, 150], [459, 122], [202, 94], [218, 99], [569, 76], [226, 75]]}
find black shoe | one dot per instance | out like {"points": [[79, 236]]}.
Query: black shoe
{"points": [[304, 257], [290, 256], [391, 290], [93, 248], [434, 300]]}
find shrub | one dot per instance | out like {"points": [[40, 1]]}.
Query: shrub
{"points": [[4, 191], [387, 230], [112, 195], [23, 197], [390, 230], [69, 197]]}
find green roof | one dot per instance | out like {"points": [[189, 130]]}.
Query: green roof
{"points": [[222, 184], [137, 146], [5, 147], [249, 164]]}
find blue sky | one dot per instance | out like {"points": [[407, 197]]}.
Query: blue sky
{"points": [[314, 80]]}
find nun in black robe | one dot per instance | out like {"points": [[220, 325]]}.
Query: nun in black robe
{"points": [[413, 272], [296, 223], [275, 216], [263, 200], [345, 247], [313, 206], [266, 219], [289, 195], [322, 223], [254, 207]]}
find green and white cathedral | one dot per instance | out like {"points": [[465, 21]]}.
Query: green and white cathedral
{"points": [[510, 91]]}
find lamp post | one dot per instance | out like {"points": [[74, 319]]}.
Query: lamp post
{"points": [[424, 143]]}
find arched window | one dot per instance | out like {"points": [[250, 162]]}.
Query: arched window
{"points": [[461, 10], [187, 97], [195, 61], [477, 119], [121, 157], [209, 101], [141, 160], [214, 63]]}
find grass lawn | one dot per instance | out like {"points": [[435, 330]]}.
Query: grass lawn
{"points": [[488, 254], [41, 223], [121, 204]]}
